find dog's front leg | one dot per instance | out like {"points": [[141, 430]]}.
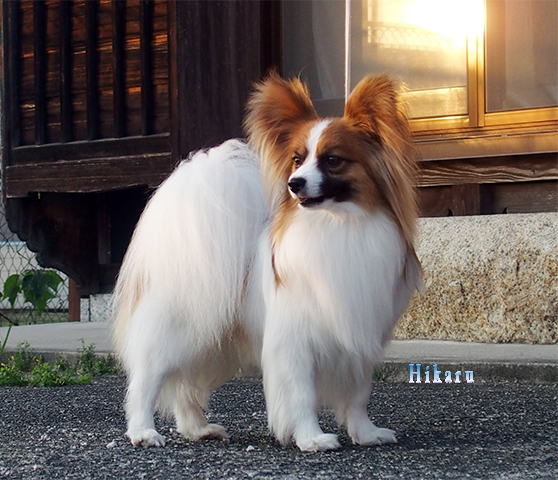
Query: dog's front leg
{"points": [[353, 413], [290, 391]]}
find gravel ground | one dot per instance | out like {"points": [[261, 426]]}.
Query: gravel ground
{"points": [[496, 431]]}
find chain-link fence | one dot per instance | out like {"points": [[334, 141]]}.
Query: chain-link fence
{"points": [[17, 259]]}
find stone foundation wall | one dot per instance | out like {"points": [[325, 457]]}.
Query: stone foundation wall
{"points": [[487, 279]]}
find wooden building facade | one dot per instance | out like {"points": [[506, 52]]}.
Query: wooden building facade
{"points": [[101, 99]]}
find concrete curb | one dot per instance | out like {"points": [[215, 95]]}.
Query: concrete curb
{"points": [[489, 362]]}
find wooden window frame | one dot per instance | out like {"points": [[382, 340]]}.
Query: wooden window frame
{"points": [[482, 133], [477, 133]]}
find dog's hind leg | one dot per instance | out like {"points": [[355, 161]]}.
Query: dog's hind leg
{"points": [[192, 424], [188, 391], [149, 357], [143, 389]]}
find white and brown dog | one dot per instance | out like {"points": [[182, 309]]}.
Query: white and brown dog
{"points": [[307, 283]]}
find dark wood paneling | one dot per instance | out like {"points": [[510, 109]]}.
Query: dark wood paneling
{"points": [[90, 63], [92, 68], [146, 68], [91, 175], [529, 197], [435, 201], [94, 166], [61, 229], [451, 200], [519, 168], [271, 34], [74, 302], [489, 199], [119, 67], [216, 56], [466, 199], [12, 66], [65, 93], [103, 229], [83, 150], [40, 63], [130, 203]]}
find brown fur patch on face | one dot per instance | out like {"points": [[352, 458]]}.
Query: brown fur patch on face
{"points": [[357, 154], [298, 144]]}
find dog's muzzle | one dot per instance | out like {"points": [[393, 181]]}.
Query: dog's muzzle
{"points": [[297, 187]]}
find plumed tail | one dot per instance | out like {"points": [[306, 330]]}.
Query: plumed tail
{"points": [[193, 244]]}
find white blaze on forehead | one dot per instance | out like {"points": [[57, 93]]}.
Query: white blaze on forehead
{"points": [[309, 169], [314, 137]]}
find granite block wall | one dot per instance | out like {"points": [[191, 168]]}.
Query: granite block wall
{"points": [[487, 279]]}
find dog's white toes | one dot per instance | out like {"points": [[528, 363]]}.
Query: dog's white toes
{"points": [[209, 432], [375, 436], [320, 443], [147, 438]]}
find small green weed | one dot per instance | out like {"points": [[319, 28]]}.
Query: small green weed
{"points": [[24, 359], [9, 376], [25, 368], [89, 363], [381, 375], [43, 375]]}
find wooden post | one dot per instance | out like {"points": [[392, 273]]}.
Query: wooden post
{"points": [[466, 199], [74, 300]]}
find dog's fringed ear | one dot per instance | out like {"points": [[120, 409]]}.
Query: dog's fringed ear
{"points": [[275, 110], [373, 106]]}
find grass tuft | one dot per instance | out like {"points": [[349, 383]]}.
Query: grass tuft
{"points": [[25, 368]]}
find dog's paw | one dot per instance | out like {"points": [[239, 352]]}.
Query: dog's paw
{"points": [[320, 443], [146, 438], [211, 431], [374, 436]]}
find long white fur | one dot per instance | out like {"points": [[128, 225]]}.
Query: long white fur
{"points": [[328, 320], [197, 296], [181, 283]]}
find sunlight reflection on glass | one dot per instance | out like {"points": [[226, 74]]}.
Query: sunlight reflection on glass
{"points": [[423, 43]]}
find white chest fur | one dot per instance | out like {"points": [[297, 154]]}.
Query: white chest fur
{"points": [[339, 273]]}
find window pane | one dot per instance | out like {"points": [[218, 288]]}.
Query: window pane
{"points": [[423, 42], [521, 54], [314, 49]]}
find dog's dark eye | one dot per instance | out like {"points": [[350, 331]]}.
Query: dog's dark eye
{"points": [[333, 161], [297, 161]]}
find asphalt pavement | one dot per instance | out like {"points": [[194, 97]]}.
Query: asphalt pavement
{"points": [[501, 426], [446, 431]]}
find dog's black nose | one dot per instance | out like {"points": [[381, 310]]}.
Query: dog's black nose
{"points": [[296, 184]]}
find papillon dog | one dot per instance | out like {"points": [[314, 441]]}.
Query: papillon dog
{"points": [[292, 252]]}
